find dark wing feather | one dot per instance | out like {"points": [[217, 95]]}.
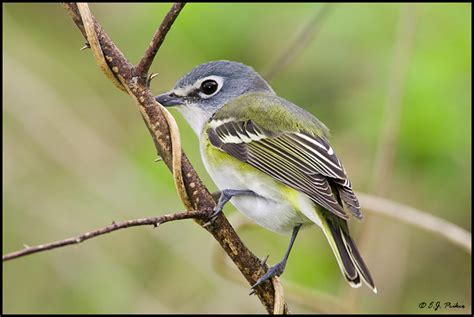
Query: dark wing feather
{"points": [[302, 161]]}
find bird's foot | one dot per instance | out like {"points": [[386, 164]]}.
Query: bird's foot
{"points": [[224, 197], [213, 216], [215, 213], [276, 270]]}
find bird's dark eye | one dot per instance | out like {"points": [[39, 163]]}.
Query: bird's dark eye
{"points": [[209, 86]]}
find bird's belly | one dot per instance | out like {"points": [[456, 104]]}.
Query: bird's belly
{"points": [[271, 208], [275, 215]]}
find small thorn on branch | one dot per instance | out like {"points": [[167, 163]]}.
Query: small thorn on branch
{"points": [[264, 260], [155, 221], [150, 78], [132, 79], [86, 46]]}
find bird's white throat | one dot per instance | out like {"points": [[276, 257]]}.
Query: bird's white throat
{"points": [[195, 116]]}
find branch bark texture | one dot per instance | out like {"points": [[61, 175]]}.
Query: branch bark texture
{"points": [[154, 221], [135, 81]]}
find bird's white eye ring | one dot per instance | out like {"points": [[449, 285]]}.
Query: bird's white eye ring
{"points": [[209, 86]]}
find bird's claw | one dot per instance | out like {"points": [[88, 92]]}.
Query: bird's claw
{"points": [[224, 196], [276, 270], [215, 212]]}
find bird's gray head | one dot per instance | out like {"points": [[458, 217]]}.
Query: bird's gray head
{"points": [[208, 87]]}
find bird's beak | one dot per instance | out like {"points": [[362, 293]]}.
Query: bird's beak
{"points": [[169, 99]]}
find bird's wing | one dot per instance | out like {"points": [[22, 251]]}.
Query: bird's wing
{"points": [[303, 161]]}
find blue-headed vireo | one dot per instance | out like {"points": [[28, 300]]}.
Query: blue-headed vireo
{"points": [[270, 158]]}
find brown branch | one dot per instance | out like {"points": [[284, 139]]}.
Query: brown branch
{"points": [[110, 51], [93, 44], [155, 221], [321, 302], [310, 298], [196, 193], [158, 38]]}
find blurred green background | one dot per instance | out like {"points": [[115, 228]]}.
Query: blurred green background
{"points": [[76, 155]]}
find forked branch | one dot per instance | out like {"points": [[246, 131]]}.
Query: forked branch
{"points": [[165, 136], [145, 63]]}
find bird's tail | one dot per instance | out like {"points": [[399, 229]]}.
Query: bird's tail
{"points": [[348, 257]]}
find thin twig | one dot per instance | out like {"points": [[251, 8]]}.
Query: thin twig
{"points": [[387, 144], [198, 195], [155, 221], [296, 46], [417, 218], [324, 303], [158, 38]]}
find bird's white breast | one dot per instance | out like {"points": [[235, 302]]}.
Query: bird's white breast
{"points": [[270, 209]]}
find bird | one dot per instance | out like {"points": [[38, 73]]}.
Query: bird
{"points": [[271, 159]]}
